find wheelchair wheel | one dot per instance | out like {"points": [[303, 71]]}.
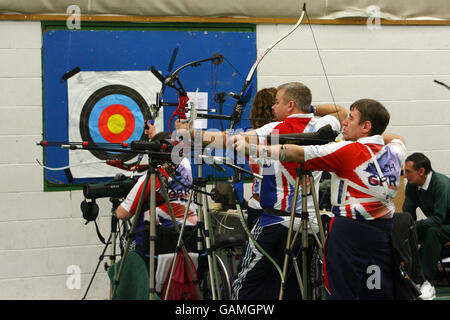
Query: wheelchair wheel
{"points": [[224, 284], [224, 280]]}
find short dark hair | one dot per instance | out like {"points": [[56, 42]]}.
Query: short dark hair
{"points": [[373, 111], [299, 93], [420, 160]]}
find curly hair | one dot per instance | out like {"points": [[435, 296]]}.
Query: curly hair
{"points": [[261, 112]]}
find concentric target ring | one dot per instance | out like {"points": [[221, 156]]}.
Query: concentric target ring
{"points": [[113, 114]]}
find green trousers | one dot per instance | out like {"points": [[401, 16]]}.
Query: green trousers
{"points": [[432, 238]]}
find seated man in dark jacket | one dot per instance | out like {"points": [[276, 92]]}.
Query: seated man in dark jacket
{"points": [[430, 191]]}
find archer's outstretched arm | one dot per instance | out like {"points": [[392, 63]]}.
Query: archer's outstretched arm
{"points": [[288, 152], [331, 109], [216, 139], [388, 137]]}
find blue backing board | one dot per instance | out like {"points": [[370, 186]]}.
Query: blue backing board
{"points": [[127, 50]]}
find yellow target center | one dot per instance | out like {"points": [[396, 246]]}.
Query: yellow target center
{"points": [[116, 123]]}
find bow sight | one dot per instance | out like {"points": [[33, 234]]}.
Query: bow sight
{"points": [[173, 81]]}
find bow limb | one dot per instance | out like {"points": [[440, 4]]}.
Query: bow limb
{"points": [[67, 167], [270, 47], [236, 117], [238, 108]]}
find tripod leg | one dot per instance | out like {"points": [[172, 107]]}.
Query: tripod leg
{"points": [[288, 240], [204, 214], [305, 218], [318, 217], [114, 237], [112, 260], [304, 226], [320, 242], [297, 272], [200, 226], [209, 239], [100, 259], [212, 259], [152, 291]]}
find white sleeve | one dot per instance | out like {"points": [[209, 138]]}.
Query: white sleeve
{"points": [[399, 148], [331, 120], [186, 163], [265, 130], [126, 204]]}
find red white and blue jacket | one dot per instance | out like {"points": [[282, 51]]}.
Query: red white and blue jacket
{"points": [[278, 184], [178, 197], [356, 188]]}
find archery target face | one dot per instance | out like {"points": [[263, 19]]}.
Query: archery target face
{"points": [[107, 108], [113, 114]]}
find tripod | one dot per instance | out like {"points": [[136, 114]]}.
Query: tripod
{"points": [[302, 175], [151, 174], [205, 228], [111, 240]]}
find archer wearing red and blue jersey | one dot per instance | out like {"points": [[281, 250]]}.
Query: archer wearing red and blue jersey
{"points": [[365, 177]]}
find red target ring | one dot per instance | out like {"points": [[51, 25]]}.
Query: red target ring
{"points": [[116, 123]]}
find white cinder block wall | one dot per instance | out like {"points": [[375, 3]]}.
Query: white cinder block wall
{"points": [[42, 234]]}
